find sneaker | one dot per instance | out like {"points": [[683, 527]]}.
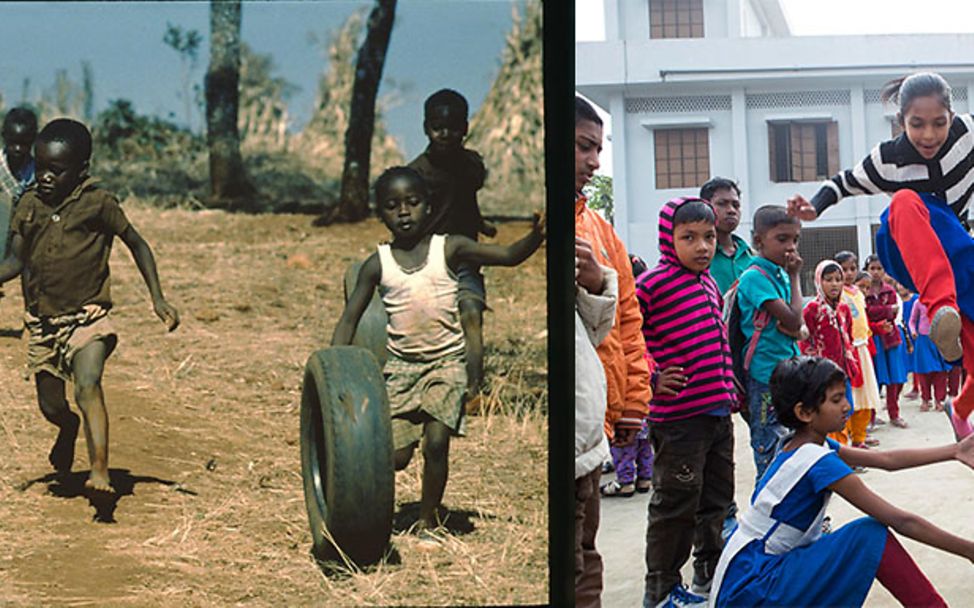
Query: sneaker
{"points": [[615, 489], [679, 597], [962, 428], [945, 333]]}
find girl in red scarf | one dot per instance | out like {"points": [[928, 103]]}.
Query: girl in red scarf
{"points": [[829, 323]]}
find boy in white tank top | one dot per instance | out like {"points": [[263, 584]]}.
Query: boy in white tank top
{"points": [[425, 375]]}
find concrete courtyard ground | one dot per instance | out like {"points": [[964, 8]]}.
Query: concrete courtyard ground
{"points": [[942, 493]]}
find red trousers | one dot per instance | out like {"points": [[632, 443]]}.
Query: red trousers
{"points": [[933, 276], [903, 578], [935, 380]]}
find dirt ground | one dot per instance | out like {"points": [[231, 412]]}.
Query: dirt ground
{"points": [[942, 493], [205, 437]]}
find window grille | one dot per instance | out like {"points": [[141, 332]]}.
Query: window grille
{"points": [[817, 244], [793, 99], [637, 105], [873, 95]]}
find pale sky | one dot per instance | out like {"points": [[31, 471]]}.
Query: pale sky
{"points": [[821, 18]]}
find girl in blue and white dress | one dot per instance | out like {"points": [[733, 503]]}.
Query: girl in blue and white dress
{"points": [[778, 556]]}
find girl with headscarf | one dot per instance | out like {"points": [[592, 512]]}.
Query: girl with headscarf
{"points": [[829, 322]]}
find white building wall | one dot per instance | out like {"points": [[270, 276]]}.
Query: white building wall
{"points": [[741, 152], [750, 24], [633, 19], [738, 60]]}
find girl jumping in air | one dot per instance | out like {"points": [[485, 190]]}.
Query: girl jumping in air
{"points": [[922, 242]]}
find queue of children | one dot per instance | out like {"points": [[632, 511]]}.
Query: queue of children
{"points": [[810, 417]]}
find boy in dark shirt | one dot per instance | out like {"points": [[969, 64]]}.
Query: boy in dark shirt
{"points": [[454, 175], [62, 233], [16, 166], [16, 163]]}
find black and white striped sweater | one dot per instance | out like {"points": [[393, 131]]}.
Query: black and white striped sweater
{"points": [[895, 164]]}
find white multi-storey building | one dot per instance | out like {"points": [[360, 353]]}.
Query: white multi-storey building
{"points": [[702, 88]]}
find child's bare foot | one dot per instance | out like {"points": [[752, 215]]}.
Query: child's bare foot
{"points": [[99, 482], [61, 456]]}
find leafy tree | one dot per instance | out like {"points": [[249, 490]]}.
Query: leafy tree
{"points": [[229, 184], [88, 91], [353, 202], [320, 144], [187, 44], [599, 193], [263, 116]]}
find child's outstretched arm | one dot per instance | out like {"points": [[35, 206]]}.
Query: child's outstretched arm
{"points": [[368, 278], [852, 488], [896, 460], [462, 249], [12, 265], [146, 263]]}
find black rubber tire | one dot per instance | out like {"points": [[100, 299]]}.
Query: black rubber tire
{"points": [[371, 330], [346, 455]]}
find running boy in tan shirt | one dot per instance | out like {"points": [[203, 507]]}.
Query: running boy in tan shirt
{"points": [[62, 233]]}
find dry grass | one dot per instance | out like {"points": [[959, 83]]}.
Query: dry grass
{"points": [[205, 438]]}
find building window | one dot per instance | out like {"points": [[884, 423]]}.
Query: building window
{"points": [[682, 158], [803, 151], [676, 18]]}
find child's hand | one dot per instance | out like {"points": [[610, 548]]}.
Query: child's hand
{"points": [[799, 207], [588, 273], [539, 223], [793, 263], [965, 451], [489, 230], [671, 381], [167, 313]]}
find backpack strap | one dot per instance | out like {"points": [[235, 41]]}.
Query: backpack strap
{"points": [[761, 320]]}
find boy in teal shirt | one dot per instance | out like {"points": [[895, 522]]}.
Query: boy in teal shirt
{"points": [[733, 255], [774, 287]]}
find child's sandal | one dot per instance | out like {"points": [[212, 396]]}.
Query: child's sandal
{"points": [[644, 485], [615, 489], [899, 423]]}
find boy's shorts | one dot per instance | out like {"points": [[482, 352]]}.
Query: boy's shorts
{"points": [[433, 388], [470, 285], [54, 341]]}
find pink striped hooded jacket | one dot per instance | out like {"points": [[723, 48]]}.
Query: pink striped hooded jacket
{"points": [[683, 327]]}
